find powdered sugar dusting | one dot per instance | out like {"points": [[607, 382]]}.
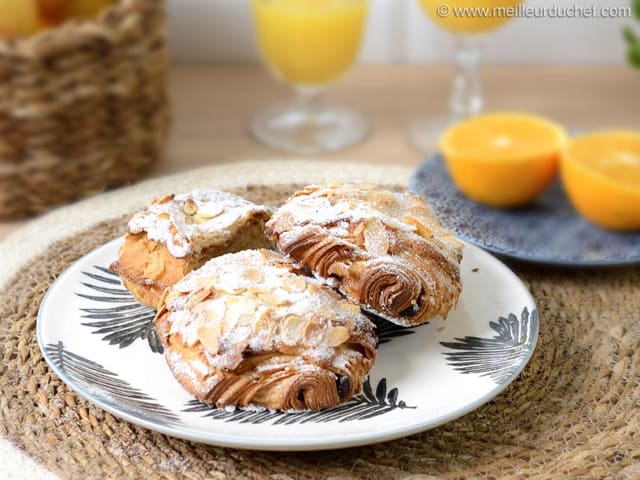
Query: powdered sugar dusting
{"points": [[194, 221], [338, 213], [267, 310], [345, 233], [197, 373]]}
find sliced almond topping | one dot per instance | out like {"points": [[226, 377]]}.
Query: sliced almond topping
{"points": [[349, 307], [263, 321], [190, 207], [171, 296], [297, 284], [200, 309], [313, 289], [165, 199], [209, 210], [200, 295], [290, 331], [209, 337], [163, 216], [253, 275], [174, 232], [271, 299], [311, 333], [421, 229], [235, 310], [232, 314], [265, 329], [335, 336], [245, 319], [375, 237], [199, 219], [231, 300], [254, 290]]}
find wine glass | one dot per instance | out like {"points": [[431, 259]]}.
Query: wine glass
{"points": [[309, 44], [468, 21]]}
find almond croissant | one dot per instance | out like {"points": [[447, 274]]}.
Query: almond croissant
{"points": [[249, 329], [178, 233], [383, 250]]}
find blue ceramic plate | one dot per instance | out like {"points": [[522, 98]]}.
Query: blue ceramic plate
{"points": [[549, 231]]}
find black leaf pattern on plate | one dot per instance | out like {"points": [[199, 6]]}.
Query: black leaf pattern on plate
{"points": [[500, 357], [361, 407], [128, 320], [124, 320], [387, 330], [106, 385]]}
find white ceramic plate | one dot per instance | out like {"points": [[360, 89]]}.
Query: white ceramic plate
{"points": [[101, 342]]}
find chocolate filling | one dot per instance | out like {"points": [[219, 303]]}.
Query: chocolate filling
{"points": [[343, 385]]}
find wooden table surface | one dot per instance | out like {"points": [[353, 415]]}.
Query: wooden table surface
{"points": [[214, 103]]}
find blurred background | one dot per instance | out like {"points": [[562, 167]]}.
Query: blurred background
{"points": [[397, 31], [96, 94]]}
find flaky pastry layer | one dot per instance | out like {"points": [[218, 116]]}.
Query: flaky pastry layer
{"points": [[177, 234], [383, 250], [249, 329]]}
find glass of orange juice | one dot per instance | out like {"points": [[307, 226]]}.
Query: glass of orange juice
{"points": [[468, 21], [309, 44]]}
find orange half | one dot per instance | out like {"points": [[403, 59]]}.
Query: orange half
{"points": [[601, 175], [503, 159]]}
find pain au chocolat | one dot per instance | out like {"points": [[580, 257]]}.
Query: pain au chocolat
{"points": [[248, 329], [381, 249], [178, 233]]}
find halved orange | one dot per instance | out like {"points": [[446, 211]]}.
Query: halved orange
{"points": [[601, 175], [503, 159]]}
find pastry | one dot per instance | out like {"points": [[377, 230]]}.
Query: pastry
{"points": [[383, 250], [249, 330], [178, 233]]}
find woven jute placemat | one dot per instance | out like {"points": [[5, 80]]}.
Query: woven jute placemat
{"points": [[573, 412]]}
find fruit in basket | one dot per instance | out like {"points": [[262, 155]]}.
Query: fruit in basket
{"points": [[18, 18], [52, 12], [22, 18], [601, 175], [503, 159], [86, 8]]}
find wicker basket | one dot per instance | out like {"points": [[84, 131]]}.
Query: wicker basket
{"points": [[82, 107]]}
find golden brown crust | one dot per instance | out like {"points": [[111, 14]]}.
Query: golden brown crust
{"points": [[381, 249], [147, 266], [248, 329]]}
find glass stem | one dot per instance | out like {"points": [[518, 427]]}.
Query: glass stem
{"points": [[466, 98], [309, 100]]}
